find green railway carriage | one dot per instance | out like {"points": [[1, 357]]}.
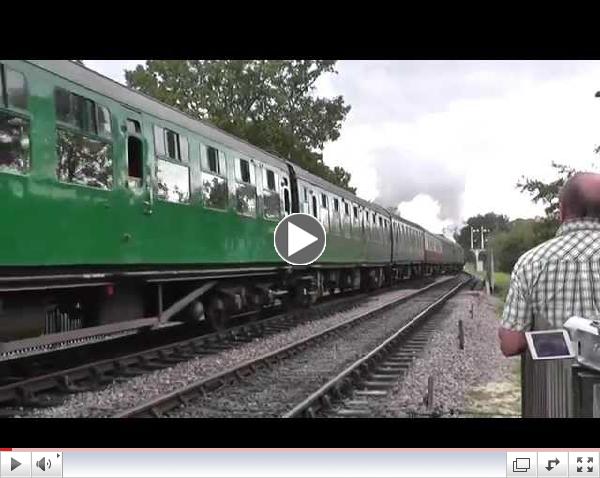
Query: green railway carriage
{"points": [[115, 178], [408, 254], [358, 232], [452, 255], [120, 212]]}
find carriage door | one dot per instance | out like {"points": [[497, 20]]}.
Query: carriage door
{"points": [[135, 156]]}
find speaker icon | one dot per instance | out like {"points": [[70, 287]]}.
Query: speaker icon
{"points": [[43, 463]]}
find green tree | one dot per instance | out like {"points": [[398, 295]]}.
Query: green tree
{"points": [[522, 235], [547, 192], [490, 221], [269, 103]]}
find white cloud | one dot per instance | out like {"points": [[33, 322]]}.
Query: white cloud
{"points": [[469, 155]]}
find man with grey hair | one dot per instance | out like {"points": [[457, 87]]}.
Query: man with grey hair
{"points": [[559, 278]]}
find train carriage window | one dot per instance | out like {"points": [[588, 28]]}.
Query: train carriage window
{"points": [[325, 211], [215, 193], [173, 181], [172, 144], [135, 150], [82, 113], [270, 180], [134, 157], [62, 103], [89, 122], [245, 171], [84, 149], [286, 201], [14, 143], [83, 160], [304, 206], [15, 88], [271, 198], [245, 189], [133, 127], [77, 111], [212, 160], [14, 126], [334, 216]]}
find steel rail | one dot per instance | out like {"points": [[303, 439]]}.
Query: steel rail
{"points": [[355, 372], [166, 402], [99, 372]]}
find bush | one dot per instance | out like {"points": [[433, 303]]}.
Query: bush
{"points": [[523, 234]]}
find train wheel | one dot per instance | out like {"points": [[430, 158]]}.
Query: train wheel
{"points": [[217, 315], [195, 312]]}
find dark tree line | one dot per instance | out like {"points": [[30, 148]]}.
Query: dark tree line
{"points": [[269, 103]]}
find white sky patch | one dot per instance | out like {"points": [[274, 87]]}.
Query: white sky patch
{"points": [[424, 210], [114, 69], [450, 139]]}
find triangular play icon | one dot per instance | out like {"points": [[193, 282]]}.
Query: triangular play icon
{"points": [[298, 239], [14, 464]]}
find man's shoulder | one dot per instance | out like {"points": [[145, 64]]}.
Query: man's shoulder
{"points": [[540, 253]]}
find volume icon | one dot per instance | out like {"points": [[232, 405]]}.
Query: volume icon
{"points": [[43, 463]]}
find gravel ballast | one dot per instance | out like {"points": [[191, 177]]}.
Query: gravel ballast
{"points": [[272, 392], [455, 372], [125, 393]]}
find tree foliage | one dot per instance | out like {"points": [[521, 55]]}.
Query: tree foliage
{"points": [[491, 221], [547, 192], [269, 103], [522, 235]]}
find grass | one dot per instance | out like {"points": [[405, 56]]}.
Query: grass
{"points": [[501, 282], [470, 268]]}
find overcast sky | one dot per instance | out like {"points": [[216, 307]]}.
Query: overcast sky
{"points": [[445, 140]]}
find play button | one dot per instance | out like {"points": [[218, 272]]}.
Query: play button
{"points": [[14, 464], [299, 239]]}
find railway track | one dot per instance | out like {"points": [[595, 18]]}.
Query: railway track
{"points": [[97, 368], [269, 385], [348, 393]]}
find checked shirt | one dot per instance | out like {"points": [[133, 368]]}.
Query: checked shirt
{"points": [[556, 280]]}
